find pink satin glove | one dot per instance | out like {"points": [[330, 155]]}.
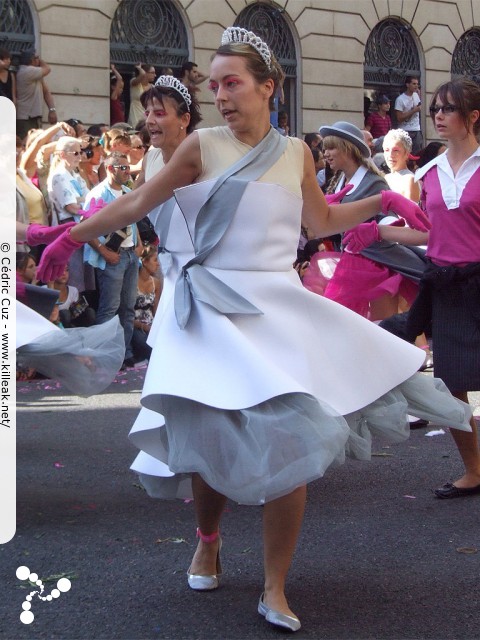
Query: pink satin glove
{"points": [[405, 208], [361, 237], [93, 207], [39, 234], [56, 256], [335, 198]]}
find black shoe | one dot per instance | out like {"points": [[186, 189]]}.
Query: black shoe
{"points": [[128, 363], [449, 490], [418, 424]]}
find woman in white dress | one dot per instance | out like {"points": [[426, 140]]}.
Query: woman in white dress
{"points": [[251, 410]]}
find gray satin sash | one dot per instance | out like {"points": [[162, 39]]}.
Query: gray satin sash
{"points": [[162, 217], [195, 282]]}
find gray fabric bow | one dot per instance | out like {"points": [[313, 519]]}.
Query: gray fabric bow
{"points": [[195, 281]]}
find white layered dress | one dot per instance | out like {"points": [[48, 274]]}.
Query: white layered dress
{"points": [[260, 404]]}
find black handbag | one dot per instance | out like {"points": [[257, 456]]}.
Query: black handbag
{"points": [[115, 239], [147, 231]]}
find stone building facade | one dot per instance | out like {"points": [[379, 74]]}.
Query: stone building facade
{"points": [[337, 53]]}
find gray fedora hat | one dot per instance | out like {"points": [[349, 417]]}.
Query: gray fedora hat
{"points": [[349, 132]]}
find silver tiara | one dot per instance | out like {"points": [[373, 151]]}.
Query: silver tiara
{"points": [[173, 83], [237, 34]]}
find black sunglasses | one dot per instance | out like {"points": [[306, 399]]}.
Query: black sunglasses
{"points": [[446, 108]]}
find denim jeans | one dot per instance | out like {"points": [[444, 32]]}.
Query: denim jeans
{"points": [[118, 293], [141, 350]]}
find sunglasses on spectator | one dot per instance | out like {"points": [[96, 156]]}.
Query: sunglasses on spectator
{"points": [[122, 167], [140, 146], [446, 108]]}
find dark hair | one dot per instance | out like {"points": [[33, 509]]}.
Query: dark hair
{"points": [[148, 252], [144, 136], [159, 92], [429, 153], [4, 54], [96, 130], [27, 56], [21, 260], [187, 66], [256, 65], [310, 137], [408, 79], [115, 135], [74, 122], [145, 67], [315, 154], [465, 95]]}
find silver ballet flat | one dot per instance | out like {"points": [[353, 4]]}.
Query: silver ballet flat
{"points": [[292, 623], [206, 583]]}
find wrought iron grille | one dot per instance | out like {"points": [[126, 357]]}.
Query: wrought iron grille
{"points": [[268, 22], [466, 56], [16, 26], [150, 31], [390, 55]]}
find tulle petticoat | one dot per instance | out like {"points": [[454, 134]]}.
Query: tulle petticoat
{"points": [[258, 454], [84, 359]]}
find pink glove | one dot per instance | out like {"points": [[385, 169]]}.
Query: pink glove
{"points": [[38, 234], [405, 208], [361, 237], [56, 256], [93, 207], [335, 198]]}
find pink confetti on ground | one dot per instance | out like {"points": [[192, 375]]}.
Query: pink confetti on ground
{"points": [[411, 497], [58, 465]]}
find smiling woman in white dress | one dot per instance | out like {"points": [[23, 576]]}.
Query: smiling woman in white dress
{"points": [[248, 409]]}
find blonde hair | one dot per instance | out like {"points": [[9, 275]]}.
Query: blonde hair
{"points": [[399, 135], [65, 143], [349, 148], [113, 136]]}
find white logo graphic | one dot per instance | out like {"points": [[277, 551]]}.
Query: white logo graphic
{"points": [[23, 573]]}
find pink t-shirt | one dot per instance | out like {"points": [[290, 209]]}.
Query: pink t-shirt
{"points": [[455, 234]]}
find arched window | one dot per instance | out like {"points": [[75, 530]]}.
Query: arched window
{"points": [[147, 31], [269, 23], [390, 54], [17, 32], [150, 31], [466, 56]]}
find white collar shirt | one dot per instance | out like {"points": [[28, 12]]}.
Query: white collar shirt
{"points": [[452, 185]]}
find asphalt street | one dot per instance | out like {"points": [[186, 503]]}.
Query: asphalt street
{"points": [[379, 556]]}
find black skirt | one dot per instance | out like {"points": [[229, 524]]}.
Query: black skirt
{"points": [[456, 336]]}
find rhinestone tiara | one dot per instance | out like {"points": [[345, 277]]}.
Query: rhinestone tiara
{"points": [[237, 34], [173, 83]]}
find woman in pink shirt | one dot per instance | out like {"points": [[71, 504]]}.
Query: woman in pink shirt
{"points": [[448, 302], [451, 284]]}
